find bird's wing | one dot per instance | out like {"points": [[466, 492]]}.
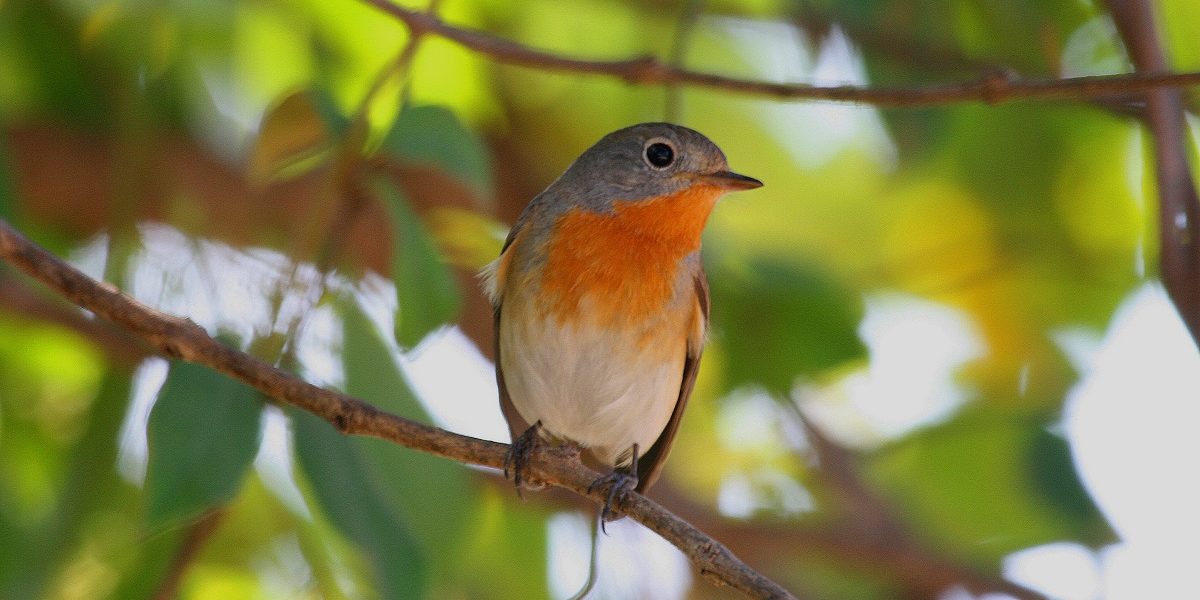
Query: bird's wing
{"points": [[650, 464], [516, 424], [494, 283]]}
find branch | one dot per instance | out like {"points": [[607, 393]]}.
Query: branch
{"points": [[872, 530], [995, 87], [180, 338], [199, 532], [1178, 203], [924, 573]]}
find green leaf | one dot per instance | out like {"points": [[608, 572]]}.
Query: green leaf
{"points": [[509, 538], [331, 114], [783, 321], [1051, 469], [203, 433], [432, 493], [342, 481], [91, 481], [987, 484], [433, 135], [425, 286]]}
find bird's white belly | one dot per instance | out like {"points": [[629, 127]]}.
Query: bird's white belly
{"points": [[605, 389]]}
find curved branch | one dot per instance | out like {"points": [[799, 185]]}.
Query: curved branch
{"points": [[1178, 202], [995, 87], [182, 339]]}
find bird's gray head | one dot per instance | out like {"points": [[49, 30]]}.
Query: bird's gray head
{"points": [[646, 161]]}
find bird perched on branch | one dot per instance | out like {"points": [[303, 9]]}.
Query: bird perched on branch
{"points": [[601, 302]]}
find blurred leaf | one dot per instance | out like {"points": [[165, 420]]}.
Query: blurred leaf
{"points": [[1052, 470], [432, 493], [154, 557], [336, 121], [471, 240], [1180, 20], [34, 556], [349, 494], [60, 76], [433, 135], [507, 550], [425, 287], [987, 484], [777, 322], [292, 136], [203, 434]]}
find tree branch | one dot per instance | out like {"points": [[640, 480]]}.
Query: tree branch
{"points": [[180, 338], [994, 87], [199, 532], [1178, 203]]}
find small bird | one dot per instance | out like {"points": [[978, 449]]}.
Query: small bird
{"points": [[601, 302]]}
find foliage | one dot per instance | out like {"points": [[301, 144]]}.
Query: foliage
{"points": [[296, 138]]}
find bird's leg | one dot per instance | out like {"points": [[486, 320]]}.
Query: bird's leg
{"points": [[621, 481], [517, 458]]}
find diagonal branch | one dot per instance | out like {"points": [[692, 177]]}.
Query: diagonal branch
{"points": [[182, 339], [995, 87], [1178, 203]]}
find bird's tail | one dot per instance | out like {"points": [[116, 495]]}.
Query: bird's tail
{"points": [[592, 563]]}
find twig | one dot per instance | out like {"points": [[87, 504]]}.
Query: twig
{"points": [[198, 533], [925, 574], [994, 87], [116, 344], [1179, 205], [689, 14], [871, 528], [182, 339]]}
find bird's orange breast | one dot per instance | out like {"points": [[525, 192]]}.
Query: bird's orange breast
{"points": [[623, 265]]}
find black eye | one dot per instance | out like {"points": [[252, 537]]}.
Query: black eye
{"points": [[660, 155]]}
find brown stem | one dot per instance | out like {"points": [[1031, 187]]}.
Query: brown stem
{"points": [[198, 533], [1178, 204], [180, 338], [994, 87]]}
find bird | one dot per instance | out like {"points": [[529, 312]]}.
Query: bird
{"points": [[601, 303]]}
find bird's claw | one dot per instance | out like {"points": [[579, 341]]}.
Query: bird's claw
{"points": [[516, 460], [619, 483]]}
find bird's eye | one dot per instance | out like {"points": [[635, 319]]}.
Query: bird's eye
{"points": [[660, 155]]}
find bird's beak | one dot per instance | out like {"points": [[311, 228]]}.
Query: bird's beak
{"points": [[732, 181]]}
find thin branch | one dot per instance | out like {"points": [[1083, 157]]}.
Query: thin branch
{"points": [[689, 14], [871, 527], [198, 534], [926, 574], [1179, 204], [180, 338], [994, 87], [116, 344]]}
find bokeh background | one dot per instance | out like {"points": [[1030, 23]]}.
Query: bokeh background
{"points": [[942, 365]]}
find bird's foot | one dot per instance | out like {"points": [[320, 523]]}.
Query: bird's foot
{"points": [[619, 483], [516, 461]]}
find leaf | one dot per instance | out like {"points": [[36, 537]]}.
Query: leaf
{"points": [[470, 240], [989, 483], [26, 569], [433, 135], [341, 480], [432, 493], [425, 286], [507, 548], [782, 321], [203, 434], [292, 135]]}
